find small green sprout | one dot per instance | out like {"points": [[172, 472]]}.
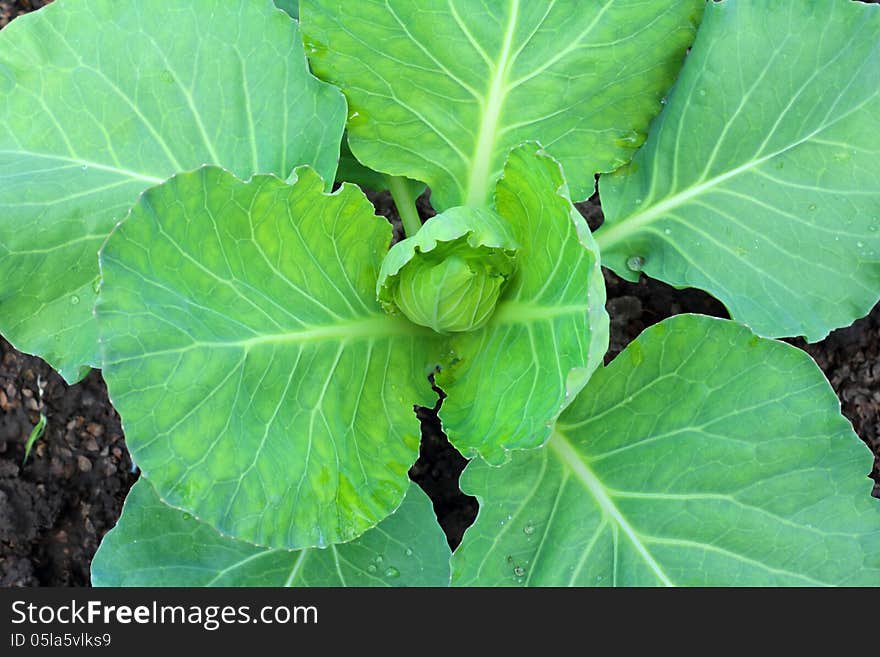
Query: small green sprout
{"points": [[40, 428]]}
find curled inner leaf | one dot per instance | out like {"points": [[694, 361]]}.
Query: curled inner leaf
{"points": [[450, 275]]}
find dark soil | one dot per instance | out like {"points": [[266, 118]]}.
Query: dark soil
{"points": [[9, 9], [56, 507]]}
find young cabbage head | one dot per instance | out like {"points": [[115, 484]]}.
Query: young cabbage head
{"points": [[450, 274]]}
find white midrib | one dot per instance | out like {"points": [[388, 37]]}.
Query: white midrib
{"points": [[611, 234], [371, 328], [481, 162], [619, 231], [518, 312], [297, 567], [559, 444], [236, 566], [88, 164]]}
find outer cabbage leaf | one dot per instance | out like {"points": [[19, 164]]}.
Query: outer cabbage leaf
{"points": [[262, 387], [509, 381], [441, 90], [759, 180], [351, 170], [157, 545], [702, 455], [290, 6], [101, 99]]}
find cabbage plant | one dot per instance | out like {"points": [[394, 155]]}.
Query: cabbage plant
{"points": [[170, 215]]}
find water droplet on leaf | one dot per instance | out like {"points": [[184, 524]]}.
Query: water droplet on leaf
{"points": [[632, 139], [519, 571], [391, 571], [75, 299], [635, 263], [371, 568], [529, 529]]}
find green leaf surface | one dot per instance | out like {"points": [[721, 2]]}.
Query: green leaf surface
{"points": [[290, 6], [441, 90], [100, 100], [509, 381], [262, 387], [702, 455], [154, 544], [759, 181], [351, 170], [404, 191]]}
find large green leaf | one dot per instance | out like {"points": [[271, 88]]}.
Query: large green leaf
{"points": [[101, 99], [702, 455], [290, 6], [157, 545], [262, 387], [350, 170], [441, 90], [759, 182], [509, 381]]}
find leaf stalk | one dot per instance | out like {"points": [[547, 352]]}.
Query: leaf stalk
{"points": [[403, 197]]}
